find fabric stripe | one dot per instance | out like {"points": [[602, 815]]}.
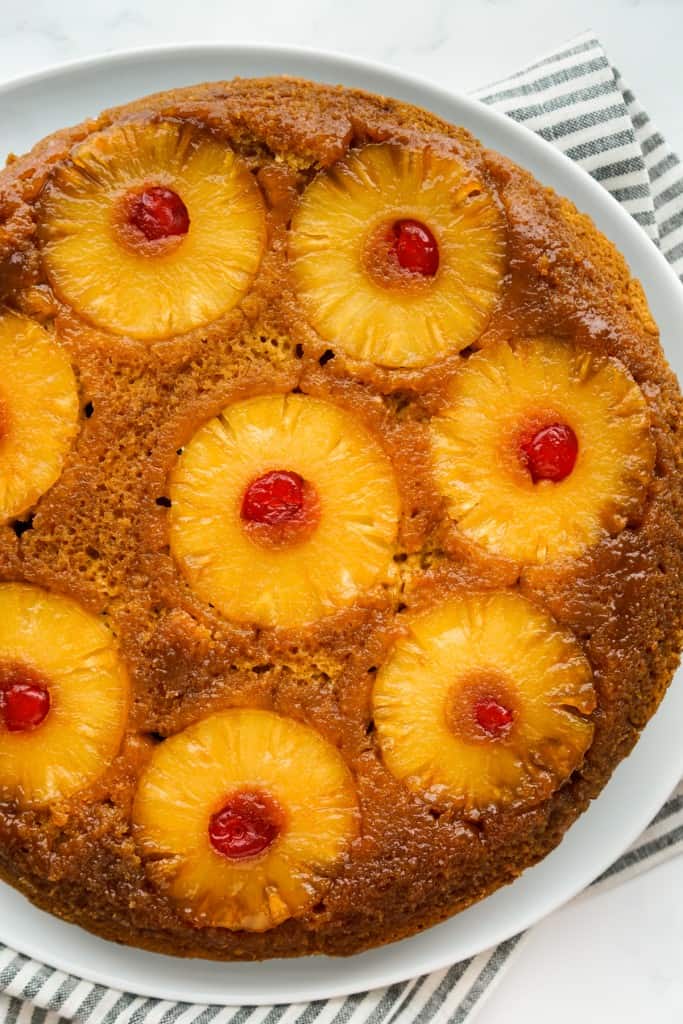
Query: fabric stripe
{"points": [[411, 992], [9, 973], [675, 254], [46, 993], [421, 999], [36, 981], [437, 998], [539, 84], [13, 1011], [576, 100], [671, 224], [583, 44], [572, 125], [552, 104], [670, 807], [598, 145], [641, 853], [485, 980], [657, 170], [617, 142], [619, 169], [639, 191]]}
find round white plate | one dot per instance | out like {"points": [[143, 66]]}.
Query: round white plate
{"points": [[29, 109]]}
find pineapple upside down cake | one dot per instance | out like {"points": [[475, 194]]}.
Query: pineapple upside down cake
{"points": [[340, 520]]}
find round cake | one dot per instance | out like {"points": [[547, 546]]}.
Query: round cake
{"points": [[340, 520]]}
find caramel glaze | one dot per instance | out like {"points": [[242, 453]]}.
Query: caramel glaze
{"points": [[100, 536]]}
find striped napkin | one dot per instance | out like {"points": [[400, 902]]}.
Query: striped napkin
{"points": [[575, 99]]}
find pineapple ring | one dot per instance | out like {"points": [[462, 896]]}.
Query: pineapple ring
{"points": [[496, 636], [343, 209], [189, 778], [351, 547], [38, 413], [89, 696], [134, 293], [493, 498]]}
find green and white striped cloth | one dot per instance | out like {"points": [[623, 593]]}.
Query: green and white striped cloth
{"points": [[576, 100]]}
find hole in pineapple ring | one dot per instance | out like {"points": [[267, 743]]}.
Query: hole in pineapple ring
{"points": [[246, 824], [481, 707], [400, 252], [151, 220], [24, 697], [280, 509]]}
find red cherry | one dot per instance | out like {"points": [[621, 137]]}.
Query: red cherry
{"points": [[493, 717], [274, 498], [158, 213], [245, 826], [550, 454], [24, 705], [416, 248]]}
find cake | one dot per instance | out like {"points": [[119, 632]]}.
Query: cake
{"points": [[340, 520]]}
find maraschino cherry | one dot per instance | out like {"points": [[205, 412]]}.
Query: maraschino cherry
{"points": [[493, 717], [245, 826], [25, 705], [416, 247], [550, 454], [159, 213], [274, 498]]}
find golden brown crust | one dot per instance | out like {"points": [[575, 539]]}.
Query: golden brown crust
{"points": [[100, 535]]}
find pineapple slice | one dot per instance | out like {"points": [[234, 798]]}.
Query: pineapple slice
{"points": [[151, 230], [398, 255], [283, 509], [38, 413], [64, 696], [543, 449], [481, 704], [252, 811]]}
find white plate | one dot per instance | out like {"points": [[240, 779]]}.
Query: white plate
{"points": [[29, 109]]}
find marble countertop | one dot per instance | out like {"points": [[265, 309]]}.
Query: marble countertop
{"points": [[457, 43], [614, 957]]}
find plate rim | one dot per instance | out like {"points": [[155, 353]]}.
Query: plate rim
{"points": [[615, 214]]}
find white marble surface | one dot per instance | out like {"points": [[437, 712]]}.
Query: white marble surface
{"points": [[617, 957], [462, 43]]}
